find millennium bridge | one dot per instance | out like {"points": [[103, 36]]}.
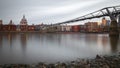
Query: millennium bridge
{"points": [[113, 12]]}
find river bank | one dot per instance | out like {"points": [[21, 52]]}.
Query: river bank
{"points": [[42, 32], [111, 61]]}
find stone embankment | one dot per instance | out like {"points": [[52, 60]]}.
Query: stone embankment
{"points": [[98, 62]]}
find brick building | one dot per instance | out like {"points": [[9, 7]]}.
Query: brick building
{"points": [[30, 28], [91, 26], [9, 27]]}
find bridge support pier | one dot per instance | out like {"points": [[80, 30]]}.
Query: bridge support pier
{"points": [[114, 29]]}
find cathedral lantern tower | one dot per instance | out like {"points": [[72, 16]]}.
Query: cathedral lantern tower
{"points": [[10, 23]]}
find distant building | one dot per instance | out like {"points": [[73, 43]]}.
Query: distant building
{"points": [[68, 28], [91, 26], [104, 22], [1, 22], [105, 25], [65, 28], [9, 27], [5, 28], [108, 23], [17, 27], [12, 27], [76, 28], [82, 28], [31, 27], [23, 24], [37, 27]]}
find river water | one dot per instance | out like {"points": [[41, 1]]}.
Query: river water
{"points": [[50, 48]]}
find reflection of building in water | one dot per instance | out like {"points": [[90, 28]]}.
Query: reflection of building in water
{"points": [[119, 21], [1, 40], [23, 38], [9, 38], [104, 40], [90, 38], [114, 43]]}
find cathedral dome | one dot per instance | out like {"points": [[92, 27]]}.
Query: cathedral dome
{"points": [[23, 21]]}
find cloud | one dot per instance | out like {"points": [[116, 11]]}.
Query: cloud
{"points": [[49, 10], [60, 10]]}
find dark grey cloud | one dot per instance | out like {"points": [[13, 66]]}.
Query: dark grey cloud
{"points": [[49, 11]]}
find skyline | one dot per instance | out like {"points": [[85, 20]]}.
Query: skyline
{"points": [[49, 11]]}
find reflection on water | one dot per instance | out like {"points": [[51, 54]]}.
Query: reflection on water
{"points": [[35, 47], [10, 39], [23, 39], [104, 41], [114, 43], [0, 41]]}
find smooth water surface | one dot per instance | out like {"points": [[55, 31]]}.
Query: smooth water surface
{"points": [[35, 47]]}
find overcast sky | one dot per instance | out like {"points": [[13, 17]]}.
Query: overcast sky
{"points": [[49, 11]]}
